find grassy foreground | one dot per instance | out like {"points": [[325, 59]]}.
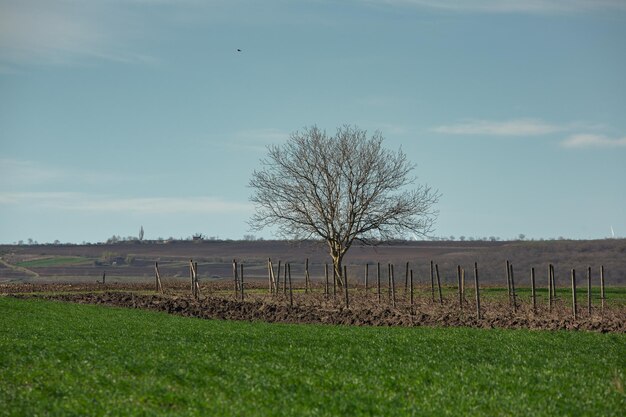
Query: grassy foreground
{"points": [[64, 359]]}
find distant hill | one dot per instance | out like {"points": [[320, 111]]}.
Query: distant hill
{"points": [[135, 261]]}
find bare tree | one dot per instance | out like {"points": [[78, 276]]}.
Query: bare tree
{"points": [[342, 188]]}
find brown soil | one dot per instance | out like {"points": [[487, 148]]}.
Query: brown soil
{"points": [[218, 302]]}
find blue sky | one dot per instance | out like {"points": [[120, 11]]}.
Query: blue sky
{"points": [[116, 114]]}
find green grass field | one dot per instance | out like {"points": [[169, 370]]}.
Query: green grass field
{"points": [[55, 261], [614, 295], [66, 359]]}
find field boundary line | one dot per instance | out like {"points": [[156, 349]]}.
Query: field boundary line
{"points": [[19, 268]]}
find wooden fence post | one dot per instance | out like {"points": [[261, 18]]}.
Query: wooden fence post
{"points": [[574, 310], [589, 291], [270, 274], [367, 270], [326, 289], [275, 278], [514, 298], [388, 283], [463, 285], [549, 288], [378, 281], [508, 281], [533, 295], [458, 277], [345, 284], [553, 280], [393, 287], [411, 292], [191, 276], [602, 297], [288, 268], [306, 276], [241, 286], [104, 276], [432, 281], [477, 290], [193, 272], [159, 285], [406, 280], [197, 287], [439, 284], [235, 278], [334, 281]]}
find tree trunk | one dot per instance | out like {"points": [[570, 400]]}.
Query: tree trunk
{"points": [[337, 252], [338, 267]]}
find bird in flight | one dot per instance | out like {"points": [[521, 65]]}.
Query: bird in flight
{"points": [[238, 50]]}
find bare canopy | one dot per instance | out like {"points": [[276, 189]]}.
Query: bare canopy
{"points": [[342, 188]]}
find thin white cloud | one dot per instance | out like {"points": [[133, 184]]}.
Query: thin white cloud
{"points": [[518, 127], [533, 127], [514, 6], [62, 33], [21, 173], [587, 140], [81, 202]]}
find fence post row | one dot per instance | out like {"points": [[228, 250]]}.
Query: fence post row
{"points": [[274, 280]]}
